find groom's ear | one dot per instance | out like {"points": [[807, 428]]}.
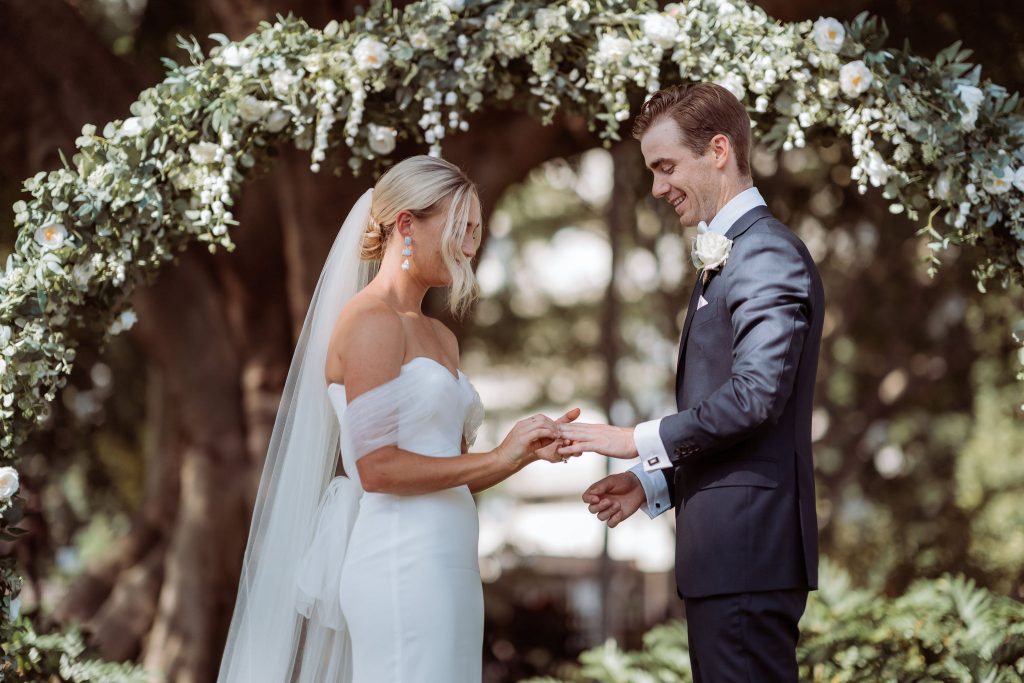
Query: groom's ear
{"points": [[720, 148]]}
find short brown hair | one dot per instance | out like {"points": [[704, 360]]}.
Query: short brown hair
{"points": [[702, 111]]}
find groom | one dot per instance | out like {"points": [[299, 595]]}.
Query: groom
{"points": [[735, 461]]}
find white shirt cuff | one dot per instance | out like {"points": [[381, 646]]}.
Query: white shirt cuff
{"points": [[655, 489], [652, 451]]}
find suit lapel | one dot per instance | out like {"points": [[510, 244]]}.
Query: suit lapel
{"points": [[698, 289], [738, 228]]}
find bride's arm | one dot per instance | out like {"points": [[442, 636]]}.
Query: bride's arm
{"points": [[373, 346], [400, 472], [549, 452], [393, 470]]}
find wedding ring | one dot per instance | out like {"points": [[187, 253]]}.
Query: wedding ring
{"points": [[565, 460]]}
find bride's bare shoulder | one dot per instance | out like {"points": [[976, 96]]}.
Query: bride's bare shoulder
{"points": [[368, 331]]}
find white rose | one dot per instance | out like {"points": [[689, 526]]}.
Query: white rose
{"points": [[613, 48], [277, 120], [203, 152], [1018, 179], [371, 53], [710, 250], [828, 34], [281, 81], [734, 84], [998, 181], [854, 78], [971, 97], [661, 30], [8, 482], [51, 236], [382, 139], [235, 56], [454, 5], [420, 40], [252, 109]]}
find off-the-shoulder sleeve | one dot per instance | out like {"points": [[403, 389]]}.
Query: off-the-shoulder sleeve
{"points": [[474, 418], [372, 419]]}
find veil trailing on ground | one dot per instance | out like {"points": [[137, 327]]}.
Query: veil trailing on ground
{"points": [[277, 632]]}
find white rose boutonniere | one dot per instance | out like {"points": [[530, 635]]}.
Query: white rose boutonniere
{"points": [[710, 251], [8, 483]]}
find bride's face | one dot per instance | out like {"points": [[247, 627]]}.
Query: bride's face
{"points": [[427, 262]]}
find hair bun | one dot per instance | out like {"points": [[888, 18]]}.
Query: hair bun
{"points": [[374, 241]]}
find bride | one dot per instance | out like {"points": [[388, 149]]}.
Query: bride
{"points": [[371, 576]]}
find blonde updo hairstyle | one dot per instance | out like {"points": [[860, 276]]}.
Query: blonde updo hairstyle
{"points": [[422, 185]]}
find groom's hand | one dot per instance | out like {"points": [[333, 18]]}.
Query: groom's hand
{"points": [[549, 450], [615, 442], [615, 497]]}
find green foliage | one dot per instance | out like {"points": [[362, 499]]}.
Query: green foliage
{"points": [[947, 629], [30, 657]]}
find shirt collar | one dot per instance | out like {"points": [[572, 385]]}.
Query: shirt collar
{"points": [[734, 208]]}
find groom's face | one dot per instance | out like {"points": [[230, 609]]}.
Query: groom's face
{"points": [[685, 180]]}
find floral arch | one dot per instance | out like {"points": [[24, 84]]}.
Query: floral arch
{"points": [[944, 147]]}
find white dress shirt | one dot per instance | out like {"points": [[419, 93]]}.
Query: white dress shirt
{"points": [[653, 455]]}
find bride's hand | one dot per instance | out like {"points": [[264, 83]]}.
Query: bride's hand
{"points": [[549, 450], [520, 445]]}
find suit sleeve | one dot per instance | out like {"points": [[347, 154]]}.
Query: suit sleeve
{"points": [[769, 300]]}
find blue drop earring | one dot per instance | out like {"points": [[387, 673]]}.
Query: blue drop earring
{"points": [[407, 253]]}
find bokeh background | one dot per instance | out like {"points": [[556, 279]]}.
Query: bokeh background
{"points": [[139, 487]]}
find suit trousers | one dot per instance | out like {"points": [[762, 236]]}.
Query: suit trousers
{"points": [[745, 637]]}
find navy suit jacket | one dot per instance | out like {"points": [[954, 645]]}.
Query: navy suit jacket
{"points": [[742, 481]]}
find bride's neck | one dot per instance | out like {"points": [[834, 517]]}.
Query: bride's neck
{"points": [[400, 289]]}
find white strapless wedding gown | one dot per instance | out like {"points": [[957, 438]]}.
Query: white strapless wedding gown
{"points": [[410, 591]]}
